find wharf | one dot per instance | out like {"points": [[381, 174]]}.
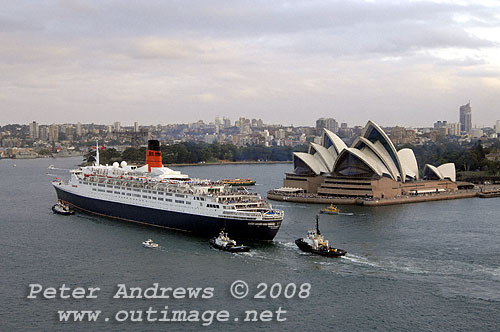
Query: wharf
{"points": [[315, 199]]}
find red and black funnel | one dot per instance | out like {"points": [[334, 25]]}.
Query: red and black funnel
{"points": [[153, 155]]}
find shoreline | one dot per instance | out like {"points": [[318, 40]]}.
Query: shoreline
{"points": [[378, 202], [247, 162]]}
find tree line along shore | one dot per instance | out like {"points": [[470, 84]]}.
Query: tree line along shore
{"points": [[473, 161]]}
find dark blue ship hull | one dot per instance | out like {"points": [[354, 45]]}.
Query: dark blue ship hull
{"points": [[196, 224]]}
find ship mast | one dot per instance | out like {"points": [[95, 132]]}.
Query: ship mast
{"points": [[317, 225], [97, 154]]}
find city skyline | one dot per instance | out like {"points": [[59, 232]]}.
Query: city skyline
{"points": [[396, 63]]}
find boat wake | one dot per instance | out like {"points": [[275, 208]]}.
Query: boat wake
{"points": [[359, 260], [429, 267]]}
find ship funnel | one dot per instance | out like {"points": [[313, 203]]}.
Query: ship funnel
{"points": [[153, 155]]}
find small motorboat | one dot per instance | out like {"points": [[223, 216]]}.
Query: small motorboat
{"points": [[316, 244], [223, 242], [61, 208], [149, 244], [332, 209]]}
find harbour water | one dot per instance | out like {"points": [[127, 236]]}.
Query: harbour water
{"points": [[431, 266]]}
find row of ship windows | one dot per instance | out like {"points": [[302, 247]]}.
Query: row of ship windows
{"points": [[144, 196], [138, 190]]}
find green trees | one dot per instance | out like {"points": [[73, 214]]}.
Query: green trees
{"points": [[465, 157], [106, 156], [193, 152]]}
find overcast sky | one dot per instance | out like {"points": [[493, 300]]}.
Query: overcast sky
{"points": [[291, 62]]}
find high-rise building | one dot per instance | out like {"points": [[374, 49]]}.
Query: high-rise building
{"points": [[440, 124], [53, 133], [34, 133], [218, 121], [117, 126], [78, 129], [466, 118], [44, 133], [454, 129], [227, 122], [68, 132], [136, 127], [497, 127], [280, 134], [327, 123]]}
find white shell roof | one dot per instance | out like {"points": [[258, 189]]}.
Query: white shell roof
{"points": [[445, 171], [338, 143], [385, 140], [448, 171], [369, 161], [325, 155], [378, 149], [409, 163], [313, 162]]}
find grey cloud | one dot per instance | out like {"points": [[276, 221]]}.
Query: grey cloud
{"points": [[177, 59]]}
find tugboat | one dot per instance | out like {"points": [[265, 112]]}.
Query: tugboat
{"points": [[149, 244], [316, 244], [223, 242], [61, 208], [332, 209]]}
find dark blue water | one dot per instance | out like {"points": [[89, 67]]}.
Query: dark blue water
{"points": [[419, 267]]}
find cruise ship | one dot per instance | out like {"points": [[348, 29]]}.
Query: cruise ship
{"points": [[159, 196]]}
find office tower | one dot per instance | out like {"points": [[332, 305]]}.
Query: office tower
{"points": [[34, 132], [466, 118], [327, 123]]}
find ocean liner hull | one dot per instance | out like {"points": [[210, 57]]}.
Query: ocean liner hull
{"points": [[197, 224]]}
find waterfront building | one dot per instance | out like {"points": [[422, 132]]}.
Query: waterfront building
{"points": [[370, 168], [466, 118]]}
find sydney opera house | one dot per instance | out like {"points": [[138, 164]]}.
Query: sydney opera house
{"points": [[370, 168]]}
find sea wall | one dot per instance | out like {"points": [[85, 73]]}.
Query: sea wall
{"points": [[368, 202]]}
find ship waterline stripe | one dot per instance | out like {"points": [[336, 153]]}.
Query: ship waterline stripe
{"points": [[123, 219]]}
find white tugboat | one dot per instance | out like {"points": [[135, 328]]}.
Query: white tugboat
{"points": [[316, 244], [223, 242], [61, 208], [149, 244]]}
